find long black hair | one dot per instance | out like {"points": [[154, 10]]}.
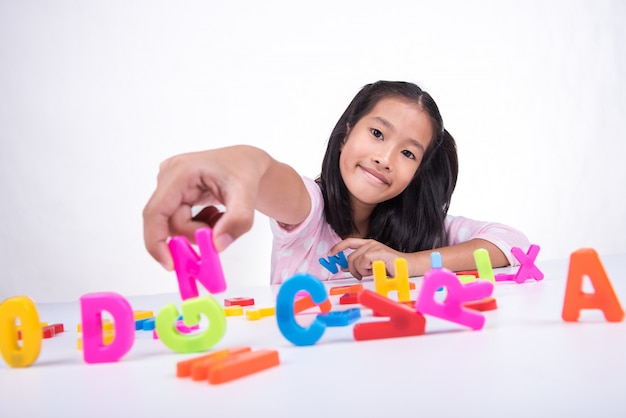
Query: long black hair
{"points": [[413, 220]]}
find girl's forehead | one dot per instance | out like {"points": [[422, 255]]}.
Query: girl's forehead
{"points": [[404, 115]]}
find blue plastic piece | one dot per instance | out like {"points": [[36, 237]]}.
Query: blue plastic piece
{"points": [[139, 323], [148, 324], [285, 315], [331, 263], [436, 263], [340, 318], [435, 260]]}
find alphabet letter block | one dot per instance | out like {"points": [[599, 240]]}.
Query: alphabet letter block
{"points": [[586, 262]]}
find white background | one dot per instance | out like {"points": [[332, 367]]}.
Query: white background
{"points": [[94, 95]]}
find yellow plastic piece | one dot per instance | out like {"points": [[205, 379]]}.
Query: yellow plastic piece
{"points": [[256, 314], [235, 310], [467, 278], [253, 314], [270, 311], [107, 325], [483, 265], [24, 309], [400, 283], [139, 315], [107, 338], [43, 324]]}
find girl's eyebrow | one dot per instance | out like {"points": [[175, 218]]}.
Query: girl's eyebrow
{"points": [[388, 125]]}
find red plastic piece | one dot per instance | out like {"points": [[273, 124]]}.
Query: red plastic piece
{"points": [[467, 273], [306, 302], [586, 262], [58, 328], [403, 320], [410, 304], [48, 331], [482, 305], [239, 301], [342, 290], [349, 299]]}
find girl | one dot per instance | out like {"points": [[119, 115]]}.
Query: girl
{"points": [[384, 191]]}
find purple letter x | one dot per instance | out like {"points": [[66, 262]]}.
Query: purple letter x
{"points": [[527, 268]]}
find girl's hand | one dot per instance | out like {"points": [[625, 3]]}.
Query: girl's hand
{"points": [[365, 252], [241, 178], [228, 176]]}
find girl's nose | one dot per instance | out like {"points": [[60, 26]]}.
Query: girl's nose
{"points": [[383, 158]]}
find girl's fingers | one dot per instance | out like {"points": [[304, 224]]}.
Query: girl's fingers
{"points": [[237, 220], [156, 226], [348, 243]]}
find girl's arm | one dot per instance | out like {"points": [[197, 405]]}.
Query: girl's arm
{"points": [[242, 178], [457, 257]]}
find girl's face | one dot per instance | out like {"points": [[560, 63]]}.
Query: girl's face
{"points": [[382, 152]]}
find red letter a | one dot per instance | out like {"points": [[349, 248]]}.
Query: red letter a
{"points": [[585, 262]]}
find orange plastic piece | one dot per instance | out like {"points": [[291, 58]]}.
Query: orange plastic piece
{"points": [[400, 283], [342, 290], [240, 365], [349, 299], [305, 302], [586, 262], [403, 320], [185, 368], [482, 305], [239, 301]]}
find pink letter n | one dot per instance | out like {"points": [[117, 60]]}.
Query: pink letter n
{"points": [[190, 267]]}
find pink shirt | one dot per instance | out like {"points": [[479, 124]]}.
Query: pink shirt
{"points": [[299, 249]]}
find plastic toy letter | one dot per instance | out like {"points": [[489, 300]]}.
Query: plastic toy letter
{"points": [[334, 261], [400, 283], [23, 308], [403, 321], [586, 262], [483, 265], [451, 309], [91, 307], [285, 315], [192, 308], [527, 268], [206, 268]]}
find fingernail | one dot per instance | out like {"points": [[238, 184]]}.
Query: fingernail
{"points": [[222, 242]]}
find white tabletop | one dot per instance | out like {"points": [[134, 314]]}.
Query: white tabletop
{"points": [[526, 362]]}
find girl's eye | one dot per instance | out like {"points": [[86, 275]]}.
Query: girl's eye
{"points": [[408, 154], [378, 134]]}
